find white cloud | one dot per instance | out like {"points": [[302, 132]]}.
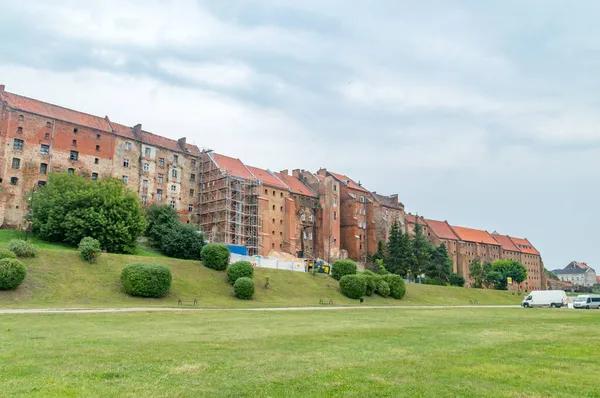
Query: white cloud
{"points": [[224, 74]]}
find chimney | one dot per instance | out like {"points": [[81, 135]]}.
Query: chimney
{"points": [[322, 172], [297, 173], [285, 172], [2, 88], [394, 198], [181, 143], [137, 131]]}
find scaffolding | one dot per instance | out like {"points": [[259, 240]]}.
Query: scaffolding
{"points": [[229, 207]]}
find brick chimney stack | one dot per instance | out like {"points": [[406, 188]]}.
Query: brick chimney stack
{"points": [[181, 143], [394, 198], [137, 131], [322, 172], [297, 172], [2, 88]]}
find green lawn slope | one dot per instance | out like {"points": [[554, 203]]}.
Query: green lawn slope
{"points": [[59, 278]]}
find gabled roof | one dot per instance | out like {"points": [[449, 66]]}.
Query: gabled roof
{"points": [[524, 246], [474, 235], [122, 131], [411, 219], [232, 166], [571, 271], [506, 242], [157, 140], [55, 112], [296, 185], [267, 178], [441, 229], [386, 201], [576, 264], [348, 181]]}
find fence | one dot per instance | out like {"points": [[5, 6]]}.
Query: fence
{"points": [[270, 262]]}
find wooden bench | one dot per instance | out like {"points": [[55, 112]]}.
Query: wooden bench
{"points": [[192, 301], [326, 301]]}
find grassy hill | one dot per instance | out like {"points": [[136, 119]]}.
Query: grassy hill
{"points": [[59, 278]]}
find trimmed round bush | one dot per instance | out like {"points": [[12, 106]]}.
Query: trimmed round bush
{"points": [[370, 283], [433, 281], [22, 248], [343, 267], [396, 284], [89, 249], [457, 280], [382, 288], [215, 256], [5, 253], [146, 280], [353, 286], [239, 269], [244, 288], [12, 273]]}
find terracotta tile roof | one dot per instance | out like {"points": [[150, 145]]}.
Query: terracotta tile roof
{"points": [[525, 246], [506, 242], [386, 201], [409, 218], [296, 185], [55, 111], [267, 178], [441, 229], [232, 166], [474, 235], [157, 140], [122, 131], [351, 183], [193, 149]]}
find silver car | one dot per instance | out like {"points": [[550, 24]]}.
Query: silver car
{"points": [[587, 302]]}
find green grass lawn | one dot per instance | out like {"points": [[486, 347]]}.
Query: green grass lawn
{"points": [[59, 278], [352, 353]]}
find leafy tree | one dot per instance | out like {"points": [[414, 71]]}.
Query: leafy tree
{"points": [[398, 257], [160, 220], [182, 241], [70, 208], [509, 269], [420, 252], [457, 280], [379, 254], [476, 272], [440, 264], [494, 279]]}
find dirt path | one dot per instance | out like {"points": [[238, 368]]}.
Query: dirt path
{"points": [[158, 309]]}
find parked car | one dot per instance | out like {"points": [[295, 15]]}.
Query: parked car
{"points": [[545, 298], [587, 301]]}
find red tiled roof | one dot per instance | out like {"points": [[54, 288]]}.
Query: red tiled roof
{"points": [[55, 111], [296, 185], [506, 243], [410, 218], [157, 140], [351, 184], [123, 131], [525, 246], [232, 166], [441, 229], [474, 235], [193, 149], [267, 178]]}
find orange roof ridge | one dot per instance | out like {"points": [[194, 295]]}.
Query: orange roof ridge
{"points": [[474, 235], [441, 229], [351, 183], [506, 242], [296, 185], [524, 245], [267, 177]]}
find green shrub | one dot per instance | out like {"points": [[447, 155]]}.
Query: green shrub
{"points": [[160, 219], [457, 280], [182, 241], [382, 288], [244, 288], [433, 281], [5, 253], [22, 248], [89, 249], [146, 280], [215, 256], [369, 278], [239, 269], [12, 273], [343, 267], [380, 267], [396, 284], [353, 286]]}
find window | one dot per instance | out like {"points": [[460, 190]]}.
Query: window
{"points": [[41, 183], [159, 195], [44, 149], [175, 159], [362, 199], [310, 217], [173, 188], [191, 193], [192, 177], [18, 144], [20, 130], [21, 118], [146, 166], [174, 173], [161, 162], [304, 235], [74, 143], [48, 124], [193, 161], [273, 193], [266, 191], [46, 136], [160, 178], [43, 168], [334, 202], [97, 136], [125, 162], [14, 180], [310, 236], [144, 200], [125, 179], [273, 207], [127, 146], [272, 245], [94, 176], [145, 184], [97, 147], [71, 171], [280, 246], [190, 208], [335, 215], [335, 187], [96, 160], [75, 130], [74, 155], [16, 163], [173, 203], [303, 217], [273, 232], [281, 194], [280, 222], [280, 208]]}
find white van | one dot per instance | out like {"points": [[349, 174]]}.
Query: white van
{"points": [[545, 298], [587, 301]]}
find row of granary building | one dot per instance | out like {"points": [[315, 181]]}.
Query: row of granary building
{"points": [[318, 214]]}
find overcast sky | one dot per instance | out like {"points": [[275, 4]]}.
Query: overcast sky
{"points": [[482, 113]]}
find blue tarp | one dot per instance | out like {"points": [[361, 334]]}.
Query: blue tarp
{"points": [[243, 250]]}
